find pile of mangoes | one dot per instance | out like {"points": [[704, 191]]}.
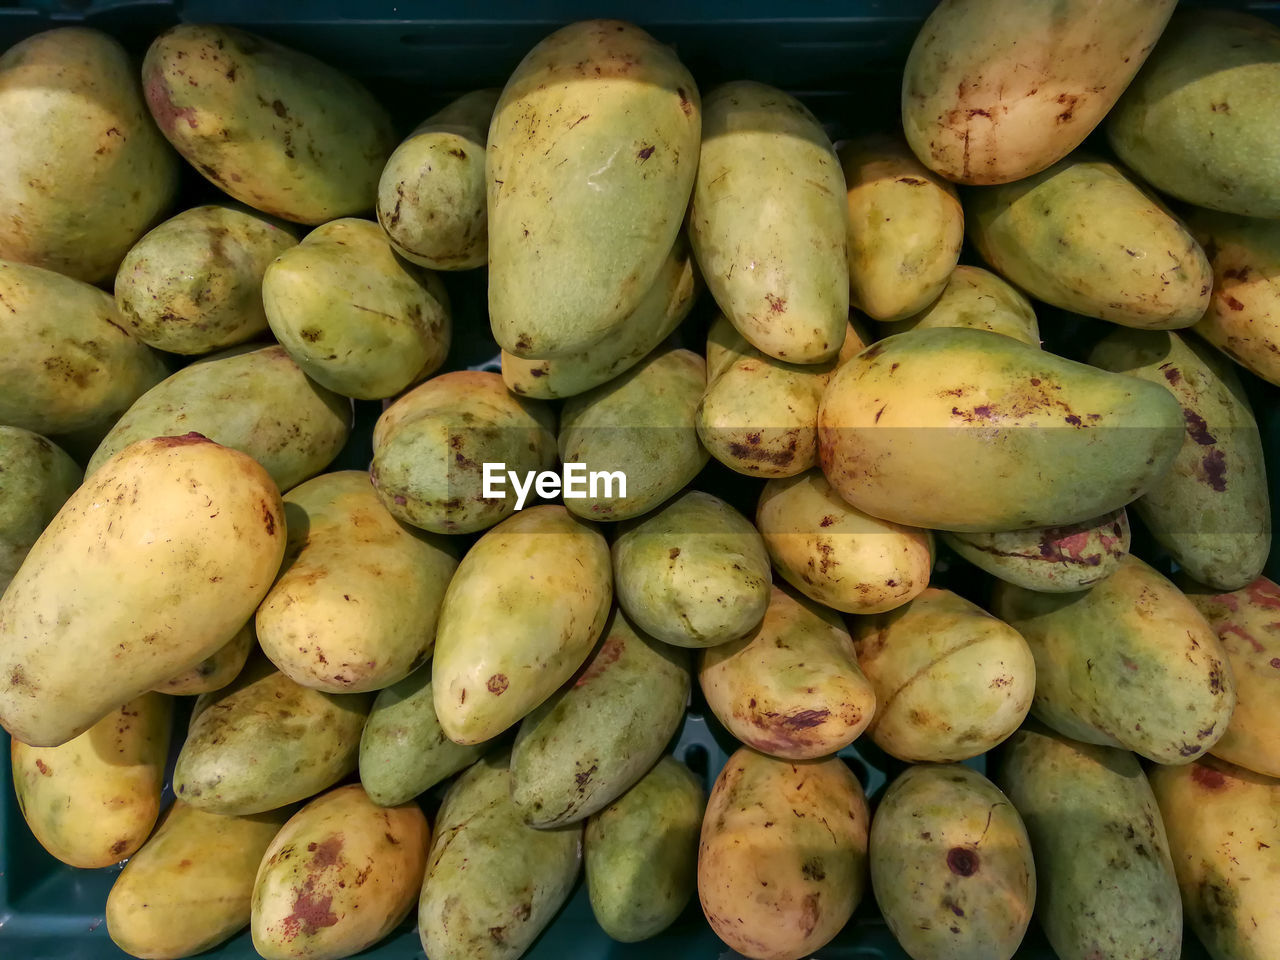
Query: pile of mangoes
{"points": [[409, 688]]}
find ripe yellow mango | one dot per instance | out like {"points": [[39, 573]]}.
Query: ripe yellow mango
{"points": [[216, 670]]}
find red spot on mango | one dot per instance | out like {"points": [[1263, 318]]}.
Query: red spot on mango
{"points": [[326, 853], [1208, 777], [605, 657], [498, 684], [1264, 593]]}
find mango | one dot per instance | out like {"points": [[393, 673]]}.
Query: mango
{"points": [[640, 853], [693, 573], [93, 800], [977, 298], [85, 171], [996, 91], [951, 865], [273, 127], [354, 608], [256, 401], [430, 447], [36, 478], [957, 404], [493, 883], [951, 680], [103, 609], [1211, 510], [782, 859], [495, 662], [1105, 880], [1129, 663], [642, 426], [769, 191], [599, 124], [216, 670]]}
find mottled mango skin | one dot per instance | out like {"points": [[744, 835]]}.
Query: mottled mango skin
{"points": [[1084, 237], [495, 660], [640, 853], [338, 877], [951, 865], [1129, 662], [977, 298], [216, 670], [193, 285], [354, 608], [189, 888], [958, 403], [93, 800], [36, 478], [782, 858], [85, 172], [493, 883], [1223, 824], [598, 125], [587, 745], [275, 128], [1211, 511], [951, 681]]}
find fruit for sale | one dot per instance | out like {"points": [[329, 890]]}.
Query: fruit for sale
{"points": [[36, 477], [977, 298]]}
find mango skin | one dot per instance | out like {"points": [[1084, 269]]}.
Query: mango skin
{"points": [[256, 401], [355, 605], [977, 298], [216, 670], [193, 284], [102, 610], [780, 892], [494, 663], [951, 681], [430, 445], [273, 127], [1223, 824], [358, 883], [1105, 880], [600, 123], [768, 223], [493, 883], [93, 800], [957, 403], [693, 573], [36, 478], [1084, 237], [995, 92], [1129, 662], [640, 853], [189, 888], [1211, 511], [85, 172], [951, 865]]}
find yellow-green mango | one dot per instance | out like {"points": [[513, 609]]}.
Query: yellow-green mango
{"points": [[354, 608], [768, 223], [338, 877], [431, 196], [951, 865], [356, 317], [1223, 824], [906, 227], [430, 447], [640, 853], [834, 553], [190, 886], [104, 607], [591, 157], [93, 800], [782, 859], [1084, 237], [216, 670], [1128, 663], [256, 401], [952, 429], [493, 883], [977, 298], [1105, 881], [642, 425], [194, 284], [85, 171], [951, 681], [36, 477], [520, 616], [275, 128], [1211, 510]]}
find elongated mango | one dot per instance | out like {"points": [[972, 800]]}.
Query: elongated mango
{"points": [[977, 298], [36, 477]]}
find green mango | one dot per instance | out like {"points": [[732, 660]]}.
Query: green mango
{"points": [[979, 299], [955, 429], [216, 670], [36, 478]]}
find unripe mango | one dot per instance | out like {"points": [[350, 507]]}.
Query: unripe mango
{"points": [[979, 299], [36, 477]]}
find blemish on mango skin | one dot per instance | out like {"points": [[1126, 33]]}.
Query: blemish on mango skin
{"points": [[1207, 777], [497, 684]]}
